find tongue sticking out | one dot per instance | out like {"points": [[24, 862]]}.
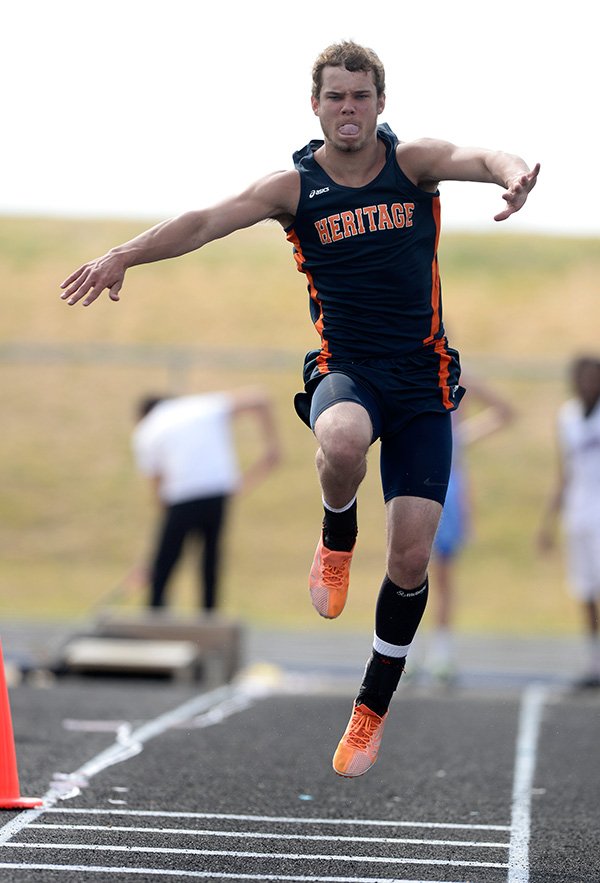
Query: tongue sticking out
{"points": [[348, 129]]}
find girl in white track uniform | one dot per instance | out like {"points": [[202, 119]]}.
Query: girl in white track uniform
{"points": [[577, 498]]}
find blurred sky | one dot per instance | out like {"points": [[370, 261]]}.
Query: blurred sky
{"points": [[142, 108]]}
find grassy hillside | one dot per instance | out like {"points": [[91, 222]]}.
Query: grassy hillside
{"points": [[74, 514]]}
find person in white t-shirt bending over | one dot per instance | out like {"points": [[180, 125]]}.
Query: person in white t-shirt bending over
{"points": [[577, 498], [185, 446]]}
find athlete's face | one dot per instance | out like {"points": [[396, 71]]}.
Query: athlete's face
{"points": [[348, 107]]}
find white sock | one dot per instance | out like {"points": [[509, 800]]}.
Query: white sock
{"points": [[343, 509], [442, 647], [396, 651]]}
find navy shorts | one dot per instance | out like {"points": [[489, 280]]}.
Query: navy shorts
{"points": [[407, 412]]}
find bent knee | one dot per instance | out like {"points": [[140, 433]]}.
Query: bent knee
{"points": [[408, 567], [344, 433], [343, 452]]}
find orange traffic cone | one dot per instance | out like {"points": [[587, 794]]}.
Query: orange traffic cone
{"points": [[9, 779]]}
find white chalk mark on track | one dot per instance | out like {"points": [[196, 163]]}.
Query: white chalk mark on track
{"points": [[215, 705]]}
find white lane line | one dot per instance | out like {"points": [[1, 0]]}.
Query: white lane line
{"points": [[287, 820], [211, 832], [525, 759], [216, 705], [224, 853], [255, 835], [213, 875]]}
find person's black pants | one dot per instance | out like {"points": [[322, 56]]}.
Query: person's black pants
{"points": [[203, 519]]}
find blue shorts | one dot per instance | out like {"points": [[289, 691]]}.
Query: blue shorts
{"points": [[410, 419], [453, 527]]}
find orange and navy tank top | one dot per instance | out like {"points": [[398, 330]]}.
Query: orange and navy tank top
{"points": [[370, 257]]}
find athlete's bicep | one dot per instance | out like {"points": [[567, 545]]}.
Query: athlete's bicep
{"points": [[269, 198], [429, 161]]}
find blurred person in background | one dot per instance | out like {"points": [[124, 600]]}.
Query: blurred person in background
{"points": [[362, 211], [576, 499], [185, 446], [455, 523]]}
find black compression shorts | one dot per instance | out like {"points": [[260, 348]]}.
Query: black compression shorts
{"points": [[409, 418]]}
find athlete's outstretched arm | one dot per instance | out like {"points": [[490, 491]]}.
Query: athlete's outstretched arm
{"points": [[275, 196], [428, 161]]}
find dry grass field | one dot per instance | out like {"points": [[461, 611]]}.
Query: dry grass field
{"points": [[75, 516]]}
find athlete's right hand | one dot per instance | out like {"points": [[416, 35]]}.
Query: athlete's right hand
{"points": [[90, 280], [517, 190]]}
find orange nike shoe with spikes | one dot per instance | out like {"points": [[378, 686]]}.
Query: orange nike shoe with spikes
{"points": [[329, 580], [358, 747]]}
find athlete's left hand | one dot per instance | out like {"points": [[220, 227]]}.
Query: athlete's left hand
{"points": [[517, 192]]}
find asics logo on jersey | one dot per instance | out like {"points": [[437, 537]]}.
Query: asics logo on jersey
{"points": [[318, 192], [367, 219]]}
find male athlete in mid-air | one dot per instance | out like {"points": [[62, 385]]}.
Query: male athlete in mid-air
{"points": [[362, 211]]}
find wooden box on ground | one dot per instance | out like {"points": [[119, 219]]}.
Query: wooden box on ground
{"points": [[217, 639], [88, 654], [157, 643]]}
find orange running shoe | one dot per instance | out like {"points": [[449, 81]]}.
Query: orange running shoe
{"points": [[329, 580], [358, 747]]}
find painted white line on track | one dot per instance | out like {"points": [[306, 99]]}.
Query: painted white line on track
{"points": [[284, 878], [216, 705], [530, 718], [287, 820], [261, 835], [225, 853], [93, 726]]}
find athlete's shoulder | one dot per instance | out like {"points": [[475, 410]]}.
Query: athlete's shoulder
{"points": [[421, 150], [416, 159], [279, 192], [281, 180]]}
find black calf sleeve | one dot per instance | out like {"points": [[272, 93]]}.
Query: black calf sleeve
{"points": [[398, 613], [340, 529], [397, 617], [380, 680]]}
